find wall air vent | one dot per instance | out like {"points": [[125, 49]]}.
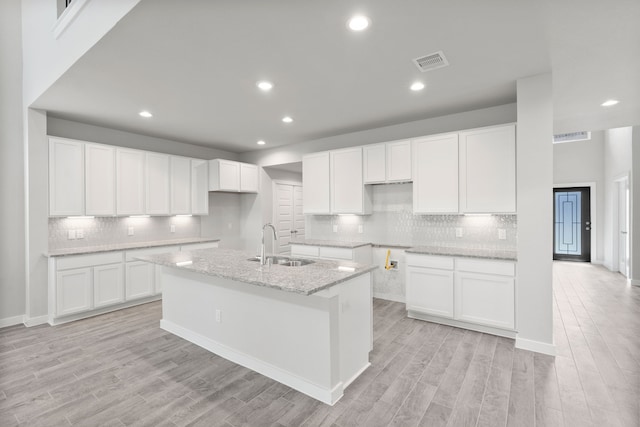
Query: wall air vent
{"points": [[571, 137], [433, 61]]}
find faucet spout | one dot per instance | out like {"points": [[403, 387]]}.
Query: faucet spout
{"points": [[263, 258]]}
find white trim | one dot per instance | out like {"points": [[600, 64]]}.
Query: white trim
{"points": [[325, 395], [536, 346], [53, 321], [389, 297], [634, 282], [35, 321], [593, 208], [11, 321], [66, 18], [461, 324]]}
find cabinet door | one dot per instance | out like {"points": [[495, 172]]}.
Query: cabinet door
{"points": [[347, 188], [248, 178], [180, 185], [130, 181], [199, 187], [485, 299], [224, 175], [316, 183], [73, 291], [430, 291], [66, 177], [374, 163], [108, 285], [100, 179], [488, 170], [399, 161], [139, 281], [435, 174], [157, 184]]}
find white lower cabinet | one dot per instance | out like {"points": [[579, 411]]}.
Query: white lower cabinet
{"points": [[140, 277], [108, 285], [463, 290], [73, 291]]}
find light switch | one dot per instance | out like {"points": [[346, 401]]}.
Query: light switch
{"points": [[71, 234], [173, 228], [130, 231], [335, 228], [360, 229], [458, 231], [502, 234]]}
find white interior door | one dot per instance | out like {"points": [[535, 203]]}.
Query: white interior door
{"points": [[623, 227], [288, 214]]}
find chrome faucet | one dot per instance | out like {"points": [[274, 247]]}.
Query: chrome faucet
{"points": [[263, 258]]}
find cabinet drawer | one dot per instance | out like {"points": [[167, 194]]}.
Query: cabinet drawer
{"points": [[130, 255], [429, 261], [90, 260], [304, 251], [502, 268], [195, 246], [336, 253]]}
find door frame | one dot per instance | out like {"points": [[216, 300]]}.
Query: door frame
{"points": [[274, 195], [593, 211], [615, 238]]}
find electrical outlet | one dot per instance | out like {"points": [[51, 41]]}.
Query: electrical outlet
{"points": [[71, 234], [218, 315], [393, 264], [80, 234], [459, 232], [335, 228], [130, 231], [173, 228], [360, 229], [502, 234]]}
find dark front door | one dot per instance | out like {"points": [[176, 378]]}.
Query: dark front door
{"points": [[572, 224]]}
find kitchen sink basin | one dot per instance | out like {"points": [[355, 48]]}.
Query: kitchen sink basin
{"points": [[285, 261]]}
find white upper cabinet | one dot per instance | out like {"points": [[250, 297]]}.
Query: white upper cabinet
{"points": [[130, 181], [228, 175], [157, 184], [387, 162], [100, 180], [347, 191], [180, 185], [398, 161], [248, 178], [316, 183], [374, 163], [66, 177], [435, 174], [488, 170], [199, 187]]}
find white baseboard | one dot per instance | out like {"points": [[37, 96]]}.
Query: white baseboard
{"points": [[10, 321], [389, 297], [598, 262], [635, 282], [608, 266], [325, 395], [536, 346], [35, 321]]}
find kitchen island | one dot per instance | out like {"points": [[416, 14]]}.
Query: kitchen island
{"points": [[308, 327]]}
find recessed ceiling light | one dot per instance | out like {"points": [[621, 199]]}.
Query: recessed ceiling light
{"points": [[287, 119], [265, 85], [417, 86], [145, 114], [358, 23], [261, 142], [609, 103]]}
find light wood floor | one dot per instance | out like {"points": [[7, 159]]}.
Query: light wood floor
{"points": [[121, 369]]}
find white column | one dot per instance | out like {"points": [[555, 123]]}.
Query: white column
{"points": [[534, 296], [634, 184]]}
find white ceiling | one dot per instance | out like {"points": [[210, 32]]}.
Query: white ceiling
{"points": [[195, 65]]}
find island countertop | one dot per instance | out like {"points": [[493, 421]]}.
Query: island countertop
{"points": [[240, 266]]}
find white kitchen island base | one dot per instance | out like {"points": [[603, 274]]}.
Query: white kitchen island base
{"points": [[317, 344]]}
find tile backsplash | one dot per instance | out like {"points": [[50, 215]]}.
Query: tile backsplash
{"points": [[113, 230], [393, 223]]}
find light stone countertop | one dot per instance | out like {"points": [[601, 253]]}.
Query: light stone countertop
{"points": [[236, 265], [464, 252], [126, 246], [328, 243]]}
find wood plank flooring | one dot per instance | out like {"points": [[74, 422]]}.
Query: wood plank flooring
{"points": [[120, 369]]}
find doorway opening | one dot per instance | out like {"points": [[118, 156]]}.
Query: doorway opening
{"points": [[572, 224]]}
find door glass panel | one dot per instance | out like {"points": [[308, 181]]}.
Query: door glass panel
{"points": [[568, 223]]}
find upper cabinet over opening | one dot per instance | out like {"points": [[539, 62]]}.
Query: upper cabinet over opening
{"points": [[232, 176]]}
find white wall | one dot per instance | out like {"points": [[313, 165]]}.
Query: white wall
{"points": [[47, 58], [534, 297], [12, 275], [617, 163], [579, 163]]}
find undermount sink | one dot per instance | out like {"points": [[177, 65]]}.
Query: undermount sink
{"points": [[287, 262]]}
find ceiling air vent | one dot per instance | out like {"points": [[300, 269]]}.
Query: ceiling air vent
{"points": [[571, 137], [433, 61]]}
